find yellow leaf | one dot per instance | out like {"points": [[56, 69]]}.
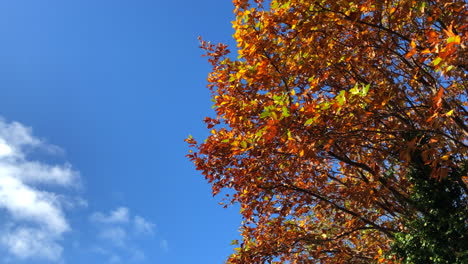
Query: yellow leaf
{"points": [[436, 61], [301, 153], [449, 113], [426, 51], [454, 39]]}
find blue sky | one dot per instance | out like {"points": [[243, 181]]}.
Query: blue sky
{"points": [[97, 98]]}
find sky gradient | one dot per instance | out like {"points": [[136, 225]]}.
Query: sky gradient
{"points": [[97, 98]]}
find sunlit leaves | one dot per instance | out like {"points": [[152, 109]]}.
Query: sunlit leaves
{"points": [[327, 107]]}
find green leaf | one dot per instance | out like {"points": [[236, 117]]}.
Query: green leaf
{"points": [[341, 98], [274, 4], [277, 98], [274, 115], [259, 133], [265, 114], [285, 111], [310, 121], [243, 144], [355, 89], [325, 105], [258, 25], [286, 5], [436, 61], [365, 90], [453, 39], [423, 6]]}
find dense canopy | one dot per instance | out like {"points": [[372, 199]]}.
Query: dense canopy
{"points": [[328, 109]]}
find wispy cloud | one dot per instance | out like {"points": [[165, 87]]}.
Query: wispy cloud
{"points": [[35, 219], [118, 234], [142, 226], [35, 195], [119, 215]]}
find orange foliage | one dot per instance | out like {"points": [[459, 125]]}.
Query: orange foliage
{"points": [[323, 113]]}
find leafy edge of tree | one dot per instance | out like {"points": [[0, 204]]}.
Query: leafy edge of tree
{"points": [[439, 233]]}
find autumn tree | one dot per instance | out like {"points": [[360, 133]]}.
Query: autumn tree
{"points": [[331, 119]]}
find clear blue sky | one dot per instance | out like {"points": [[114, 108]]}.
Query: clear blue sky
{"points": [[97, 97]]}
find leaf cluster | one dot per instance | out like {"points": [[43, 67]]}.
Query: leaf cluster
{"points": [[319, 120], [439, 234]]}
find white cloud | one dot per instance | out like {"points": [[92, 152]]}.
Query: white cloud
{"points": [[118, 234], [39, 173], [114, 235], [35, 216], [32, 243], [142, 226], [29, 204], [119, 215], [5, 150], [116, 225], [17, 135]]}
